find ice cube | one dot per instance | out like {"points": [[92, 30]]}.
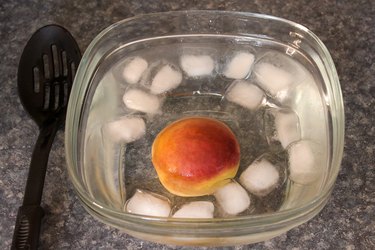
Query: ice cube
{"points": [[126, 129], [142, 101], [147, 203], [287, 127], [134, 69], [302, 163], [239, 66], [197, 65], [232, 198], [260, 178], [245, 94], [166, 78], [273, 78], [196, 209], [277, 72]]}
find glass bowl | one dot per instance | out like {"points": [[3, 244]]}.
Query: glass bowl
{"points": [[102, 173]]}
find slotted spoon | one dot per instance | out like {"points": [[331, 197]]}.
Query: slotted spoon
{"points": [[45, 76]]}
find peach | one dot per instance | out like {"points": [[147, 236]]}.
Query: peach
{"points": [[195, 156]]}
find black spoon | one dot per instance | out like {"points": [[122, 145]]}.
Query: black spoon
{"points": [[45, 77]]}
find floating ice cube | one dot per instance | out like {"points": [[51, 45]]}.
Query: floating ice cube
{"points": [[260, 178], [277, 72], [245, 94], [147, 203], [239, 66], [134, 69], [166, 78], [287, 127], [302, 163], [126, 129], [273, 78], [232, 198], [196, 209], [197, 65], [139, 100]]}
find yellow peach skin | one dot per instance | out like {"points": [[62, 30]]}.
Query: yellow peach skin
{"points": [[195, 156]]}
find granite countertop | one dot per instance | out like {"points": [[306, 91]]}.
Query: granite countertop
{"points": [[346, 27]]}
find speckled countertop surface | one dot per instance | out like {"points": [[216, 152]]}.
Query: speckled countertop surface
{"points": [[346, 27]]}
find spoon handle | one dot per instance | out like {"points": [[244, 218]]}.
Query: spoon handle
{"points": [[27, 229], [30, 214]]}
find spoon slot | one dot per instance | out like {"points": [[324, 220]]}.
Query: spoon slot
{"points": [[64, 63], [57, 96], [55, 59], [65, 93], [36, 79], [73, 69], [47, 93], [46, 67]]}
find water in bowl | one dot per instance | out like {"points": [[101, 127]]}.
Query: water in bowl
{"points": [[114, 170]]}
